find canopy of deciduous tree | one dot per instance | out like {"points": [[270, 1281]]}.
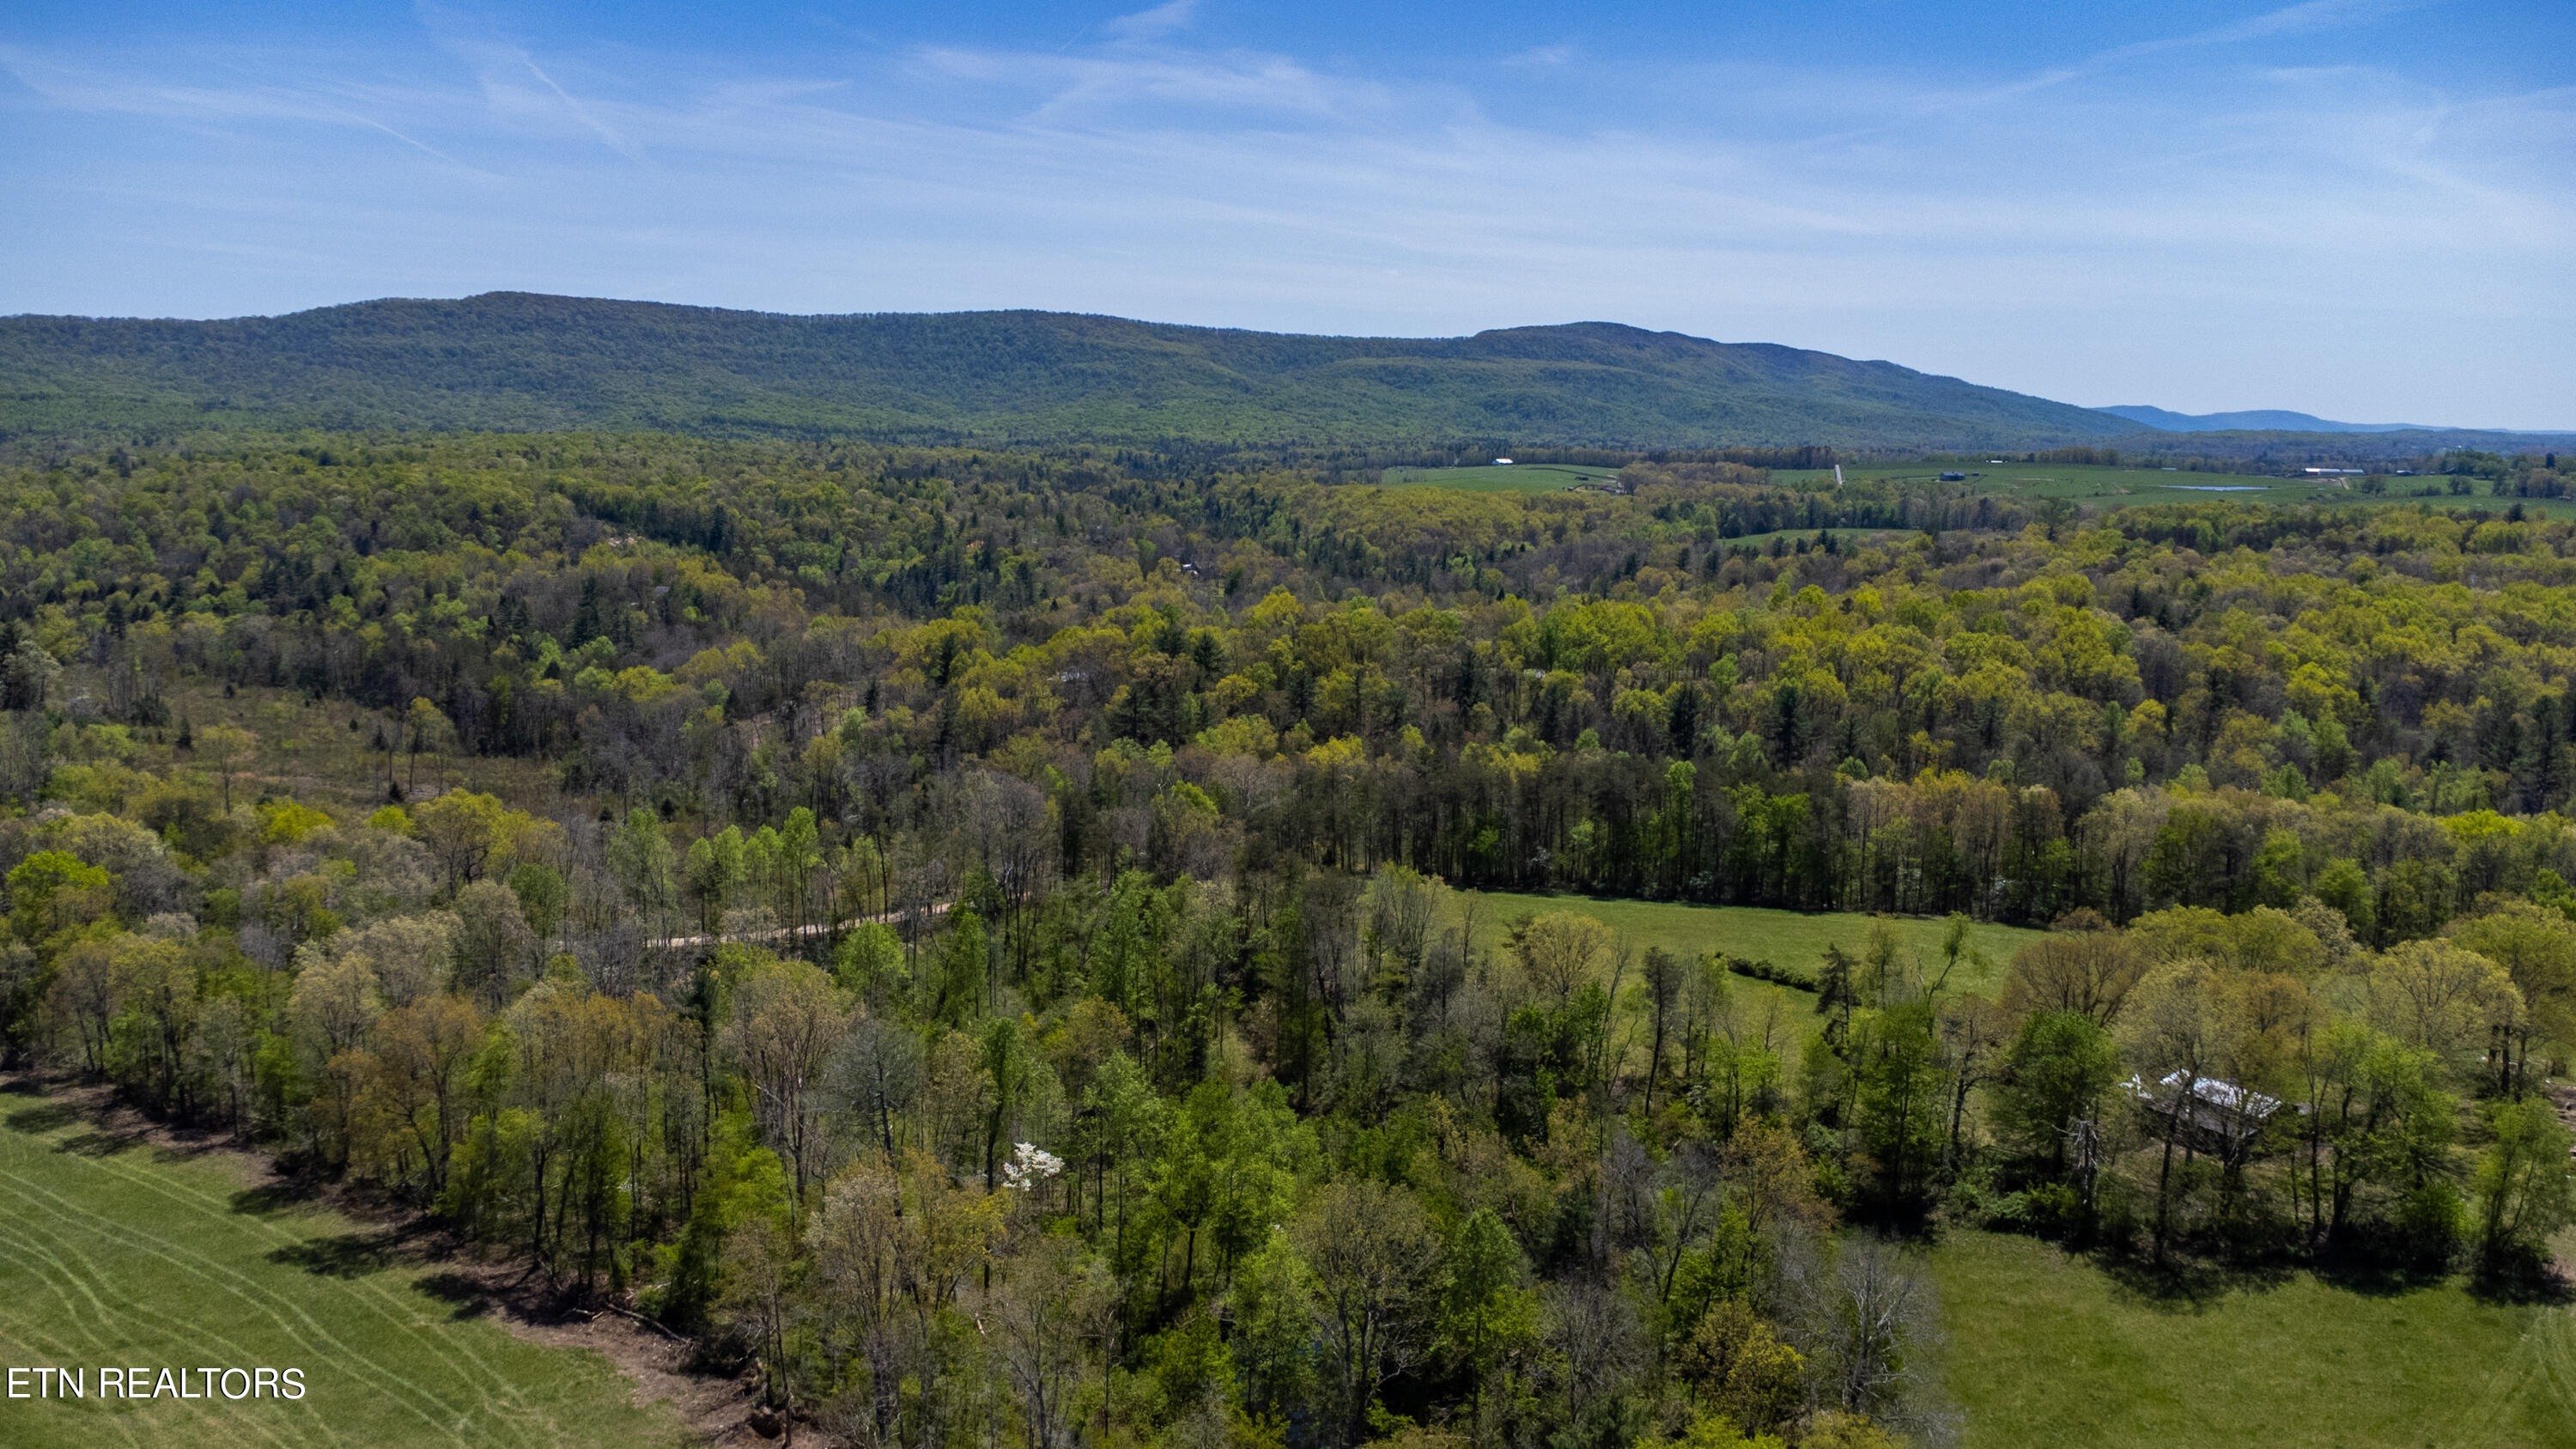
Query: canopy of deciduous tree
{"points": [[988, 937]]}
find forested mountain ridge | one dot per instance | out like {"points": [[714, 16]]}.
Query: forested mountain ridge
{"points": [[995, 945], [524, 361]]}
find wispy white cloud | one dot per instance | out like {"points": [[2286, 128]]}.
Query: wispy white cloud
{"points": [[414, 143], [2302, 19], [1070, 87], [2179, 244], [77, 87], [1154, 24], [503, 67], [582, 113], [2306, 18]]}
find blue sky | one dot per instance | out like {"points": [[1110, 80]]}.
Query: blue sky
{"points": [[2356, 208]]}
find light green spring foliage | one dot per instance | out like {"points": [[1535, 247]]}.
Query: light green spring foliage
{"points": [[1012, 940]]}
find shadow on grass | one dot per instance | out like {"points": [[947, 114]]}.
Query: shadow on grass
{"points": [[462, 1294], [2191, 1282], [51, 1117], [2188, 1284], [2377, 1278], [190, 1144], [2525, 1280], [101, 1144], [271, 1198], [348, 1255]]}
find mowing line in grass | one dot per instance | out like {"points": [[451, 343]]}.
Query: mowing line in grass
{"points": [[2047, 1349], [120, 1254]]}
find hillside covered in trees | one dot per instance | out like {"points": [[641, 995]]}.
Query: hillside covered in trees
{"points": [[992, 940], [521, 361]]}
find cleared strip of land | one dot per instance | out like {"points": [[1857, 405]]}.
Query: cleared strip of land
{"points": [[1500, 478], [115, 1252], [2045, 1349], [1759, 933]]}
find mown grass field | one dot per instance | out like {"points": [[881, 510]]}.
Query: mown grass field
{"points": [[1491, 478], [2090, 485], [117, 1253], [2119, 487], [2047, 1350], [2084, 482], [1784, 938]]}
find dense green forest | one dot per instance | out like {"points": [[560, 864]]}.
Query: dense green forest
{"points": [[513, 360], [991, 940]]}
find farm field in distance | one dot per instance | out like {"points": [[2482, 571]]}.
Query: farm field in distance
{"points": [[1499, 478], [2046, 1349], [306, 747], [2126, 486], [2094, 485], [1794, 939], [116, 1252], [1759, 933]]}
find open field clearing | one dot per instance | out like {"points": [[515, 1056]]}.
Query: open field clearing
{"points": [[2121, 487], [1493, 478], [1845, 538], [2091, 485], [307, 749], [2087, 482], [1784, 938], [2045, 1349], [116, 1252]]}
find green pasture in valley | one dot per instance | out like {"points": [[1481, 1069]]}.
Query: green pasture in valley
{"points": [[2093, 486], [1784, 938], [117, 1253], [2087, 483], [2100, 486], [2044, 1349], [1499, 478]]}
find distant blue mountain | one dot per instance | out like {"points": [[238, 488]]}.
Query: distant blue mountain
{"points": [[513, 361], [2260, 420]]}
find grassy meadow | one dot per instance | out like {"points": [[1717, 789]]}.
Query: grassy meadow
{"points": [[115, 1252], [2045, 1349], [2086, 483], [2089, 485], [1493, 478], [2096, 486], [308, 749], [1784, 938]]}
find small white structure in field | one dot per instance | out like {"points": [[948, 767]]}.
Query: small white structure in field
{"points": [[1502, 460]]}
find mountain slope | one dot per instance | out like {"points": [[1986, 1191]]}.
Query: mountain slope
{"points": [[523, 361], [2257, 420]]}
